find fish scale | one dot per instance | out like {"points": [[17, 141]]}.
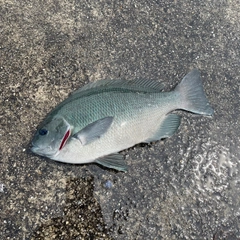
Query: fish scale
{"points": [[121, 105]]}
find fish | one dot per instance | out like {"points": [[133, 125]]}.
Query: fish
{"points": [[96, 122]]}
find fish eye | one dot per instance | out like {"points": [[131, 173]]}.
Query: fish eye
{"points": [[43, 131]]}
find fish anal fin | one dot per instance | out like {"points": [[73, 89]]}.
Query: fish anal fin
{"points": [[168, 127]]}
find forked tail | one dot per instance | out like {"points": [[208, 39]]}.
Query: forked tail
{"points": [[193, 98]]}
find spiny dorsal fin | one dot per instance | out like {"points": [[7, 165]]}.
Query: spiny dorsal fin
{"points": [[140, 85]]}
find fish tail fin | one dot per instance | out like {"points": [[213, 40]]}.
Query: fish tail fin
{"points": [[193, 98]]}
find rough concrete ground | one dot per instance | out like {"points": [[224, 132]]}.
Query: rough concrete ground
{"points": [[185, 187]]}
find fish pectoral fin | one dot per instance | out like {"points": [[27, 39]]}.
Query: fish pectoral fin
{"points": [[168, 127], [115, 161], [94, 130]]}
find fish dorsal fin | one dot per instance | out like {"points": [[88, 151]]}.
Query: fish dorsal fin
{"points": [[93, 130], [140, 85]]}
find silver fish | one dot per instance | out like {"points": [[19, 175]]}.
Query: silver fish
{"points": [[103, 118]]}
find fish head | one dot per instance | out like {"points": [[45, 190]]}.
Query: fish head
{"points": [[51, 137]]}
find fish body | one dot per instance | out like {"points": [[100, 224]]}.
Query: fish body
{"points": [[103, 118]]}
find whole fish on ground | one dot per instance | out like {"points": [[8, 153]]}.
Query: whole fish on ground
{"points": [[103, 118]]}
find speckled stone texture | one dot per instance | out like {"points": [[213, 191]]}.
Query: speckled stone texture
{"points": [[185, 187]]}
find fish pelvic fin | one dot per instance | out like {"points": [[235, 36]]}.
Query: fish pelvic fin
{"points": [[115, 161], [193, 98]]}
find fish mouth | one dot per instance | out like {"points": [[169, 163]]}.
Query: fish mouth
{"points": [[42, 152], [36, 150], [45, 152]]}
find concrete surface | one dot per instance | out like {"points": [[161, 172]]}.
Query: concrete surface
{"points": [[185, 187]]}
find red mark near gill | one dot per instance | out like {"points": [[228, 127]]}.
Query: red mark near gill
{"points": [[66, 136]]}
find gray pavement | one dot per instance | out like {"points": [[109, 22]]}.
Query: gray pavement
{"points": [[184, 187]]}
